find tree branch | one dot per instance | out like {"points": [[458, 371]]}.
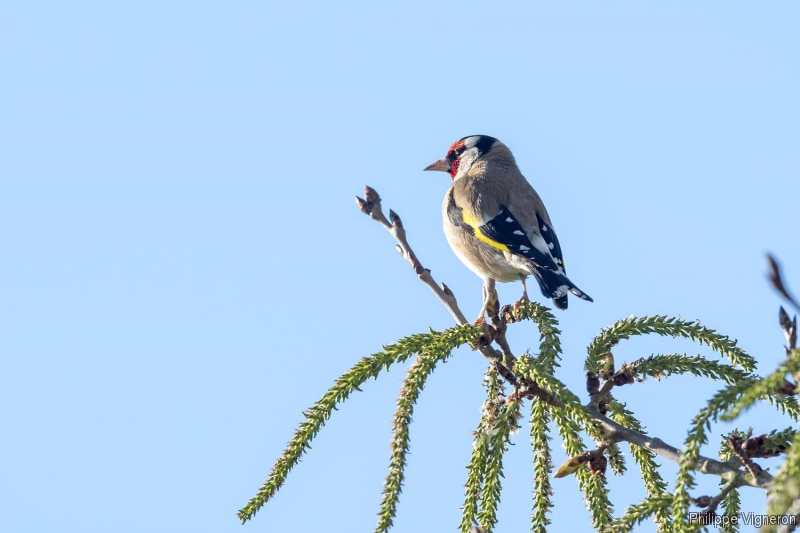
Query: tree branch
{"points": [[614, 432], [370, 205], [726, 470]]}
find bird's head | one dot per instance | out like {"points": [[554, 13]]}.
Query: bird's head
{"points": [[464, 153]]}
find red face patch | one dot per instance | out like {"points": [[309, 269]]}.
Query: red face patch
{"points": [[456, 149], [454, 168], [453, 154]]}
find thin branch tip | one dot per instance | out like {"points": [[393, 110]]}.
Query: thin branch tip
{"points": [[776, 279], [395, 219], [371, 195], [363, 205], [395, 227], [789, 327]]}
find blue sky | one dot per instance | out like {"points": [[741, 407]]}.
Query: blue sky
{"points": [[185, 269]]}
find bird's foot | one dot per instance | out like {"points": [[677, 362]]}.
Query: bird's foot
{"points": [[522, 300], [519, 303], [524, 293], [509, 314]]}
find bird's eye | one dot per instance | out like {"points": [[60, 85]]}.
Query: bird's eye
{"points": [[456, 153], [457, 150]]}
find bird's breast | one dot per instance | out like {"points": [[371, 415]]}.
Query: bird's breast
{"points": [[483, 259]]}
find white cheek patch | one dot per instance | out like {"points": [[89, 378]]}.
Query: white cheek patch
{"points": [[465, 162]]}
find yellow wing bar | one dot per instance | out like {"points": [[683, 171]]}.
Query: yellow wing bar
{"points": [[471, 222]]}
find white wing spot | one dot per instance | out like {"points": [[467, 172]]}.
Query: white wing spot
{"points": [[523, 248], [518, 232], [509, 219], [544, 228], [550, 245]]}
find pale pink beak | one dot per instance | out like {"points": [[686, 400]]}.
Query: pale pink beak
{"points": [[442, 165]]}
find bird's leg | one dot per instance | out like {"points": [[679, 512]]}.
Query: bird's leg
{"points": [[493, 309], [524, 298], [487, 291], [490, 302]]}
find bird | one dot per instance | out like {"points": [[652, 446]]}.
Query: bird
{"points": [[497, 225]]}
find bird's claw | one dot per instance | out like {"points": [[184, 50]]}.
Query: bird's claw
{"points": [[511, 314]]}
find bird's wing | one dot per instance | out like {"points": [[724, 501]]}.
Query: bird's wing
{"points": [[551, 239], [504, 232]]}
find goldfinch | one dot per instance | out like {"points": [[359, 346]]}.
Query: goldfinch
{"points": [[496, 223]]}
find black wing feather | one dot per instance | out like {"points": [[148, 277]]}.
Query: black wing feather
{"points": [[551, 239], [505, 229]]}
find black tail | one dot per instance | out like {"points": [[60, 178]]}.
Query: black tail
{"points": [[556, 286]]}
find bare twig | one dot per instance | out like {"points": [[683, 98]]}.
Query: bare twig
{"points": [[729, 486], [777, 281], [371, 205], [602, 396], [789, 327], [726, 470], [749, 465]]}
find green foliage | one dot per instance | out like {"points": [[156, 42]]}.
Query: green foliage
{"points": [[568, 419], [669, 326], [498, 438], [549, 334], [731, 505], [771, 385], [498, 420], [659, 366], [615, 459], [552, 401], [542, 466], [476, 469], [697, 437], [638, 513], [654, 484], [532, 369], [729, 403], [549, 354], [320, 412], [422, 367], [491, 439], [786, 486]]}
